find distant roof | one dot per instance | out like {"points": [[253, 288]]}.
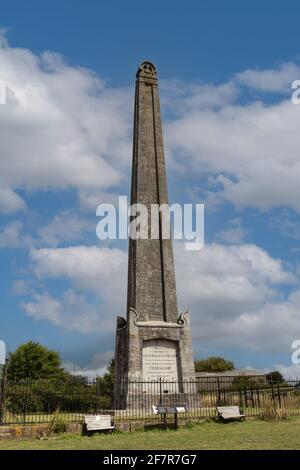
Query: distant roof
{"points": [[231, 373]]}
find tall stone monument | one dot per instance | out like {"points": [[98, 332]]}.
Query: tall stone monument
{"points": [[153, 341]]}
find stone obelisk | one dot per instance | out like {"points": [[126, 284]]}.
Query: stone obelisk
{"points": [[153, 341]]}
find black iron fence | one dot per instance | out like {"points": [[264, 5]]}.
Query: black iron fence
{"points": [[38, 401]]}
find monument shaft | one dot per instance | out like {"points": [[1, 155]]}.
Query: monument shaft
{"points": [[151, 277], [153, 342]]}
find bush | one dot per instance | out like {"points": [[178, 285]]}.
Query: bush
{"points": [[44, 396], [57, 424], [213, 364], [271, 412], [274, 376]]}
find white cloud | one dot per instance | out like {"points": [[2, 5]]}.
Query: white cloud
{"points": [[271, 328], [234, 297], [72, 311], [61, 127], [90, 267], [264, 267], [64, 127], [10, 201], [22, 287], [98, 272], [289, 372], [287, 223], [96, 368], [10, 235], [235, 234], [270, 80], [183, 97], [250, 151], [233, 293], [91, 198], [66, 226]]}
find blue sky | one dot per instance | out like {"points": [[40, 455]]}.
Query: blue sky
{"points": [[231, 141]]}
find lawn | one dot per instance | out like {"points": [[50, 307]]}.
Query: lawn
{"points": [[252, 434]]}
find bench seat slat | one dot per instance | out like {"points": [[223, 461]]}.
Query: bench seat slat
{"points": [[97, 428], [98, 422]]}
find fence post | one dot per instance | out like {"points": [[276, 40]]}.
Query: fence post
{"points": [[3, 392], [273, 394], [97, 396], [160, 392], [252, 397], [279, 396], [258, 398], [246, 398], [240, 392], [219, 391]]}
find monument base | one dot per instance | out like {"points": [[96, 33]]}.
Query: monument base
{"points": [[154, 361]]}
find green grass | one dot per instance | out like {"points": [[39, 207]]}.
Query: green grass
{"points": [[252, 434]]}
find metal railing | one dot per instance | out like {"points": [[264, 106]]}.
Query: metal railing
{"points": [[37, 401]]}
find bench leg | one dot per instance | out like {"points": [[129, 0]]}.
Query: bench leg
{"points": [[165, 421]]}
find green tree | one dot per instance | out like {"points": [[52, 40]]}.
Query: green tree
{"points": [[274, 376], [34, 361], [105, 385], [213, 364]]}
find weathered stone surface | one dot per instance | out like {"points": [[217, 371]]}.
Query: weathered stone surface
{"points": [[160, 358], [152, 312], [34, 430]]}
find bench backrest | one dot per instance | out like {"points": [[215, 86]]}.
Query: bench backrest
{"points": [[229, 411], [97, 421]]}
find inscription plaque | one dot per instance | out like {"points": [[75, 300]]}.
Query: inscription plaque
{"points": [[160, 360]]}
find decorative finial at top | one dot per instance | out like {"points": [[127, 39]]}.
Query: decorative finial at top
{"points": [[147, 70]]}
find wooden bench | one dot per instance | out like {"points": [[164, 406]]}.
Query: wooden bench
{"points": [[98, 423], [229, 412]]}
